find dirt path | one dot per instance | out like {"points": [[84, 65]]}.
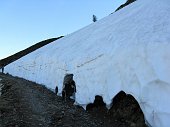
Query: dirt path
{"points": [[27, 104]]}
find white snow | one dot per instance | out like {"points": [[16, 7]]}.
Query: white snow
{"points": [[128, 50]]}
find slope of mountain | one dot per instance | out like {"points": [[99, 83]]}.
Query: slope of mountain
{"points": [[16, 56], [128, 50]]}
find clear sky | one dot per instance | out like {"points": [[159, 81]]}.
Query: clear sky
{"points": [[26, 22]]}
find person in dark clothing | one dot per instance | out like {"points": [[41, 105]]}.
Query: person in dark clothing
{"points": [[56, 90], [69, 87], [2, 69]]}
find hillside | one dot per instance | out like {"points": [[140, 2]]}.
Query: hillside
{"points": [[126, 51], [18, 55]]}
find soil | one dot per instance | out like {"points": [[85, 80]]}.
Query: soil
{"points": [[27, 104]]}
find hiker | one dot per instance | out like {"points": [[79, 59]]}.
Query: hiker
{"points": [[2, 69], [56, 89], [69, 87]]}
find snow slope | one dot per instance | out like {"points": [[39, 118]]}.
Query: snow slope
{"points": [[128, 50]]}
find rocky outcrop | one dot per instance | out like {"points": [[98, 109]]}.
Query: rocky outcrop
{"points": [[125, 4]]}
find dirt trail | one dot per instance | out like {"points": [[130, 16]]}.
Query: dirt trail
{"points": [[27, 104]]}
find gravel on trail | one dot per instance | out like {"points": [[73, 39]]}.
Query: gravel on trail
{"points": [[27, 104]]}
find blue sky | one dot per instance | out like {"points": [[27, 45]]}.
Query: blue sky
{"points": [[26, 22]]}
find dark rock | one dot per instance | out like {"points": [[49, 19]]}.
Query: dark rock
{"points": [[89, 106], [97, 104], [125, 4], [126, 109]]}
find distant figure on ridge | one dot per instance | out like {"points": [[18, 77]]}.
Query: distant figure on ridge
{"points": [[94, 18]]}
